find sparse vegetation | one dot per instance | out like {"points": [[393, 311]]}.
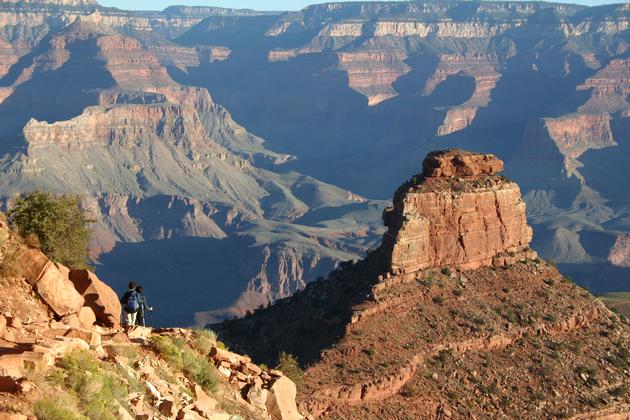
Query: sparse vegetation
{"points": [[9, 266], [446, 271], [58, 225], [52, 408], [97, 389], [290, 366], [438, 300], [179, 355], [204, 341]]}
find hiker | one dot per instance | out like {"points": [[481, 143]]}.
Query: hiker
{"points": [[144, 307], [130, 304]]}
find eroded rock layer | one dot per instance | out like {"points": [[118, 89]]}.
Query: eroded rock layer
{"points": [[458, 212], [447, 342]]}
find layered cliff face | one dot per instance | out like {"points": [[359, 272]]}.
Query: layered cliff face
{"points": [[165, 169], [542, 85], [457, 212], [455, 337]]}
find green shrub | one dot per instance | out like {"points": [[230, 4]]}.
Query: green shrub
{"points": [[196, 366], [446, 271], [290, 366], [98, 389], [438, 300], [204, 341], [620, 391], [168, 351], [54, 409], [59, 224]]}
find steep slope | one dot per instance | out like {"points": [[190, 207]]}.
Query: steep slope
{"points": [[92, 111], [428, 325], [63, 354], [375, 85]]}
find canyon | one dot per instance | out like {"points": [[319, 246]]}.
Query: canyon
{"points": [[492, 332], [203, 137]]}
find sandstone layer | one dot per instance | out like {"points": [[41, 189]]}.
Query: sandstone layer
{"points": [[458, 212]]}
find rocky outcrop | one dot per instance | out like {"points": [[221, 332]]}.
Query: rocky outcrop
{"points": [[482, 67], [608, 88], [123, 126], [457, 119], [439, 323], [458, 212], [130, 64], [68, 292], [99, 297], [575, 134], [620, 252], [372, 73]]}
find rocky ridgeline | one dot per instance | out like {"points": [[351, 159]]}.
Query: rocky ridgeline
{"points": [[49, 312], [453, 317], [458, 212]]}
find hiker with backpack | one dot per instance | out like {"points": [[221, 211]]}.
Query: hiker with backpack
{"points": [[130, 304], [144, 307]]}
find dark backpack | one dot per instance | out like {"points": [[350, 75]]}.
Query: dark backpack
{"points": [[132, 305]]}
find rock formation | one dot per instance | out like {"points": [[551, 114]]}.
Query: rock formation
{"points": [[51, 318], [458, 212], [452, 317]]}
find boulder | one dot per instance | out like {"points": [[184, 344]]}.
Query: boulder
{"points": [[87, 318], [56, 289], [167, 407], [98, 296], [281, 400], [3, 325], [18, 364], [139, 333], [32, 263], [221, 355], [189, 414], [8, 384], [204, 404]]}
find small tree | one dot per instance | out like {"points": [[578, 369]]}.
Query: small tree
{"points": [[59, 223], [290, 366]]}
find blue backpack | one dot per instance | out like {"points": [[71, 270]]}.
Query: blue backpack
{"points": [[132, 305]]}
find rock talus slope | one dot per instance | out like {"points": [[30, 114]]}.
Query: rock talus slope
{"points": [[496, 333]]}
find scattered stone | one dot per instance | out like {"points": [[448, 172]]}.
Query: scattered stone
{"points": [[153, 392], [224, 371], [204, 404], [167, 407], [138, 333], [257, 396]]}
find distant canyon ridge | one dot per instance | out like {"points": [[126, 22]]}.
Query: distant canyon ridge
{"points": [[231, 156]]}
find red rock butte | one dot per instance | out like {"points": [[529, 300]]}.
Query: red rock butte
{"points": [[458, 212]]}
